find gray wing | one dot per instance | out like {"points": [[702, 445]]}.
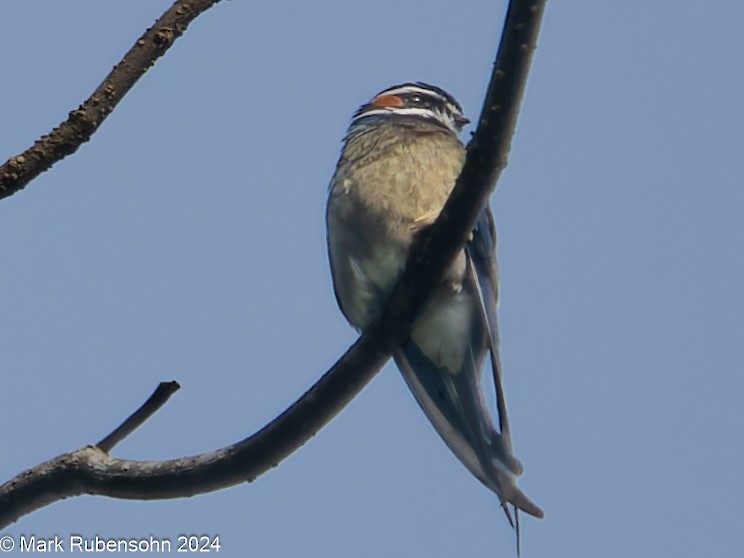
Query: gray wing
{"points": [[482, 253], [442, 364]]}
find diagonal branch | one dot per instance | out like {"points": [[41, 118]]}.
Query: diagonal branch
{"points": [[82, 123], [487, 156], [91, 471]]}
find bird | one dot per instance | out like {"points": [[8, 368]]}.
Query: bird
{"points": [[399, 162]]}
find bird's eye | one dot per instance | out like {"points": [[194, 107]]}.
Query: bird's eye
{"points": [[416, 99]]}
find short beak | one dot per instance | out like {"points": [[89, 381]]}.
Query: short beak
{"points": [[460, 121]]}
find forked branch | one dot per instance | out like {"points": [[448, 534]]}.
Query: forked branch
{"points": [[91, 470]]}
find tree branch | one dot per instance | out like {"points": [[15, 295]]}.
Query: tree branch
{"points": [[487, 156], [82, 123], [91, 471]]}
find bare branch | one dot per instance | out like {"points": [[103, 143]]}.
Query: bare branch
{"points": [[159, 397], [89, 470], [92, 471], [65, 139]]}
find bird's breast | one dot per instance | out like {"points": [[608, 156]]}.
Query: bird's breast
{"points": [[386, 189]]}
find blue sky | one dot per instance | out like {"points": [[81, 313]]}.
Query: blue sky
{"points": [[186, 241]]}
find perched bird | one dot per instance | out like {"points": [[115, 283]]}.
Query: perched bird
{"points": [[400, 159]]}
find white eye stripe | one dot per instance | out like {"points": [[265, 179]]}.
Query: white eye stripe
{"points": [[410, 111], [413, 111], [454, 109], [415, 89], [417, 100], [411, 89], [433, 94]]}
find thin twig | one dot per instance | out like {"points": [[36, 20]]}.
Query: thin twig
{"points": [[65, 139], [159, 397]]}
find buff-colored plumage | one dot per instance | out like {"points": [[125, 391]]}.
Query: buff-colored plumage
{"points": [[413, 173], [400, 161]]}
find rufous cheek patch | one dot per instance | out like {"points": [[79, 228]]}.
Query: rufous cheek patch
{"points": [[387, 101]]}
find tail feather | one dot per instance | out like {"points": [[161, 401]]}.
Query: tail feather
{"points": [[454, 405]]}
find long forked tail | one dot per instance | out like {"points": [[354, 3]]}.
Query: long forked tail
{"points": [[454, 405]]}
